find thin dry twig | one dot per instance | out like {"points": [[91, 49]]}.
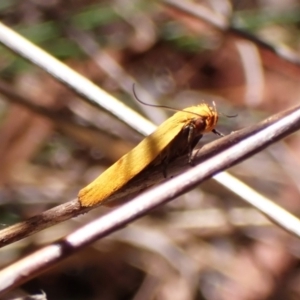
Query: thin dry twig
{"points": [[78, 83], [269, 208], [64, 123], [233, 151], [65, 74], [221, 23], [88, 45], [258, 137], [195, 9], [106, 62], [253, 72], [49, 217], [17, 98]]}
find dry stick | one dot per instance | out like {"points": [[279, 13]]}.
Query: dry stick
{"points": [[64, 123], [47, 219], [107, 63], [63, 73], [288, 122], [31, 52], [59, 120], [78, 83], [17, 98], [221, 23], [88, 45], [253, 141]]}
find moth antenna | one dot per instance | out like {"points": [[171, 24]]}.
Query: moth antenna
{"points": [[139, 100], [148, 104], [215, 107], [159, 106], [229, 116]]}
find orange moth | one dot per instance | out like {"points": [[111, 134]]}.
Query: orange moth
{"points": [[177, 136]]}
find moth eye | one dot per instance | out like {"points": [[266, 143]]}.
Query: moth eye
{"points": [[207, 122]]}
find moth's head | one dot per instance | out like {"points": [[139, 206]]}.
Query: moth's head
{"points": [[209, 116]]}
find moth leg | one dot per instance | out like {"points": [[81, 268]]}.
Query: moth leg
{"points": [[165, 159], [215, 131], [165, 167], [190, 140]]}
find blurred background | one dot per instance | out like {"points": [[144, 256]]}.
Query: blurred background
{"points": [[207, 244]]}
